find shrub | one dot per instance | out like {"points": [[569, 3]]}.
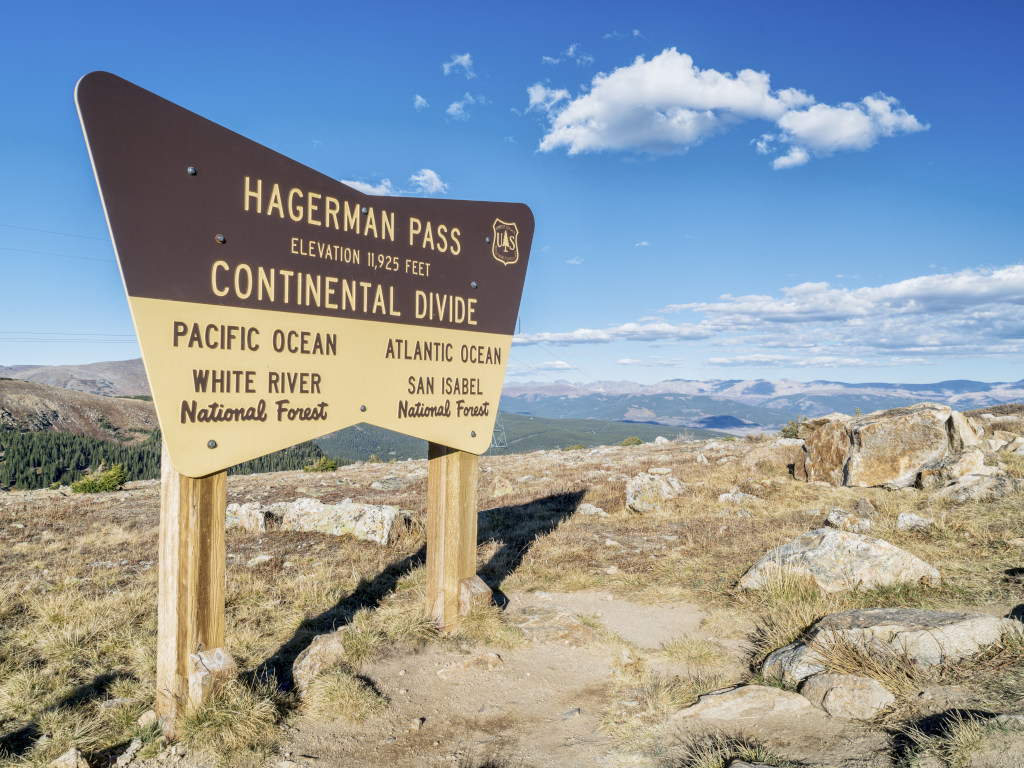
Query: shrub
{"points": [[112, 479], [577, 447], [793, 427], [631, 441], [323, 464]]}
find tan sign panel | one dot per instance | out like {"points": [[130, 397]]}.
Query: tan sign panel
{"points": [[274, 304]]}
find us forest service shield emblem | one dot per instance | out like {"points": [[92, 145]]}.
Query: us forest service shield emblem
{"points": [[505, 246]]}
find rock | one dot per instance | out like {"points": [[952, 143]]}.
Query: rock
{"points": [[208, 671], [371, 522], [735, 496], [258, 560], [885, 448], [889, 447], [908, 521], [928, 637], [951, 468], [847, 696], [590, 509], [701, 458], [391, 483], [1019, 542], [646, 492], [826, 448], [865, 508], [980, 487], [839, 560], [147, 719], [70, 759], [129, 754], [661, 440], [250, 516], [746, 702], [323, 653], [847, 521]]}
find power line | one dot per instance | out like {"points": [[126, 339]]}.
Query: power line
{"points": [[52, 232], [61, 255]]}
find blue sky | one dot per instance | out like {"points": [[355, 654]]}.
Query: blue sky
{"points": [[722, 191]]}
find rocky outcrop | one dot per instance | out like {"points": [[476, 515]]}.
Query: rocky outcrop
{"points": [[926, 637], [987, 486], [746, 702], [371, 522], [886, 448], [838, 561], [647, 492]]}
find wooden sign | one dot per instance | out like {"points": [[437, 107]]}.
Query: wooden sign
{"points": [[274, 304]]}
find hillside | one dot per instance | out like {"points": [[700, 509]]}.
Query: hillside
{"points": [[113, 379], [32, 407], [622, 633]]}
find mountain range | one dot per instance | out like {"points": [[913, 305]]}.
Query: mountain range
{"points": [[736, 405]]}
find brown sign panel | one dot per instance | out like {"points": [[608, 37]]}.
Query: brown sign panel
{"points": [[274, 304]]}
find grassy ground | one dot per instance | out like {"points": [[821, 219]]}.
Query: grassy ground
{"points": [[78, 623]]}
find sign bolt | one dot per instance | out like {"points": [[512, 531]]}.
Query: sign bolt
{"points": [[472, 434], [487, 239], [211, 444], [365, 210], [221, 239], [191, 170], [474, 284], [362, 408]]}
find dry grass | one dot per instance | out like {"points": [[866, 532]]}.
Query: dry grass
{"points": [[77, 606], [338, 695], [237, 724], [896, 670], [958, 738], [717, 750]]}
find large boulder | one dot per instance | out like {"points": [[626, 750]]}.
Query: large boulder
{"points": [[371, 522], [887, 448], [839, 561], [826, 448], [927, 637]]}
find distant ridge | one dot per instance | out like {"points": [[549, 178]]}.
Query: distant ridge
{"points": [[111, 379], [753, 404]]}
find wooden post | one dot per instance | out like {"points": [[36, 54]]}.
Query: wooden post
{"points": [[451, 532], [190, 615]]}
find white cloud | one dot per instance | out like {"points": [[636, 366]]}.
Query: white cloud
{"points": [[419, 102], [428, 182], [796, 156], [385, 187], [667, 105], [545, 99], [572, 53], [619, 35], [641, 244], [651, 331], [460, 62], [457, 109], [653, 362], [966, 314], [575, 260]]}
